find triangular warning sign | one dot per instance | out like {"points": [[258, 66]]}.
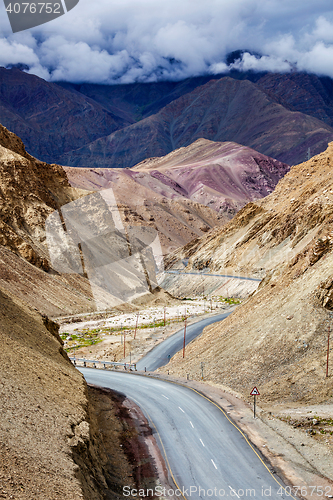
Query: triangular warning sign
{"points": [[255, 392]]}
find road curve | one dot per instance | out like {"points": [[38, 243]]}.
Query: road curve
{"points": [[245, 278], [201, 446], [161, 354]]}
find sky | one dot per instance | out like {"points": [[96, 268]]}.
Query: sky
{"points": [[124, 41]]}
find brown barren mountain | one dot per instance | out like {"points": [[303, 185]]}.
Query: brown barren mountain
{"points": [[187, 192], [51, 446], [277, 339], [30, 191], [49, 119]]}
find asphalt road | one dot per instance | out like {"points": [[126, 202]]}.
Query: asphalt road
{"points": [[161, 354], [204, 449], [215, 275]]}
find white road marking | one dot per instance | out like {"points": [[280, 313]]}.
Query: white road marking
{"points": [[215, 465], [202, 443], [234, 491], [164, 396], [181, 409], [192, 424]]}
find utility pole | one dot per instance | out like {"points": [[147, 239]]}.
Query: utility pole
{"points": [[164, 315], [121, 333], [211, 307], [136, 325], [184, 336], [202, 368], [124, 344], [328, 349]]}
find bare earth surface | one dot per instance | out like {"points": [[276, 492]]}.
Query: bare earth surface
{"points": [[277, 339]]}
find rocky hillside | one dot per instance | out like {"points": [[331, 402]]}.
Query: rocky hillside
{"points": [[41, 430], [30, 191], [187, 192], [306, 93], [221, 110], [223, 176], [277, 339]]}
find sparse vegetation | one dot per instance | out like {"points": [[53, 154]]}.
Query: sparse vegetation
{"points": [[229, 300]]}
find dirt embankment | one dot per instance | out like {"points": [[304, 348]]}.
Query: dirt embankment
{"points": [[51, 443], [277, 339]]}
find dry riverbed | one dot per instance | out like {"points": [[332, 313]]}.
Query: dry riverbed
{"points": [[129, 336]]}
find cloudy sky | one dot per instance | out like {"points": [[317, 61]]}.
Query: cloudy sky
{"points": [[121, 41]]}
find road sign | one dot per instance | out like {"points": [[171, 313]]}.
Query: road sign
{"points": [[255, 392]]}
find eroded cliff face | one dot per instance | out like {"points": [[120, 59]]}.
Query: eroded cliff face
{"points": [[30, 190], [43, 407], [277, 339]]}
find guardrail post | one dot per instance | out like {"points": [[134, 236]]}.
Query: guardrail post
{"points": [[104, 366]]}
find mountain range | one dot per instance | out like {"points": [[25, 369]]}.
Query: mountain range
{"points": [[119, 126], [187, 192]]}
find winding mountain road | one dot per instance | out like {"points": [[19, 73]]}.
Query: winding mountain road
{"points": [[206, 454], [245, 278], [161, 354]]}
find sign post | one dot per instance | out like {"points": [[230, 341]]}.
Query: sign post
{"points": [[254, 393]]}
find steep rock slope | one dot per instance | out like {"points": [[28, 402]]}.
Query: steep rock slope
{"points": [[48, 118], [43, 408], [221, 110], [30, 191], [277, 339], [39, 260]]}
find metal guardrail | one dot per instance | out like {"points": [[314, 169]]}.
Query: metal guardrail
{"points": [[96, 362]]}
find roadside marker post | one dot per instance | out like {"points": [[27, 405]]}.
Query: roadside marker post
{"points": [[254, 393]]}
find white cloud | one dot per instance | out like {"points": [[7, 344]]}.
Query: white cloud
{"points": [[148, 40]]}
